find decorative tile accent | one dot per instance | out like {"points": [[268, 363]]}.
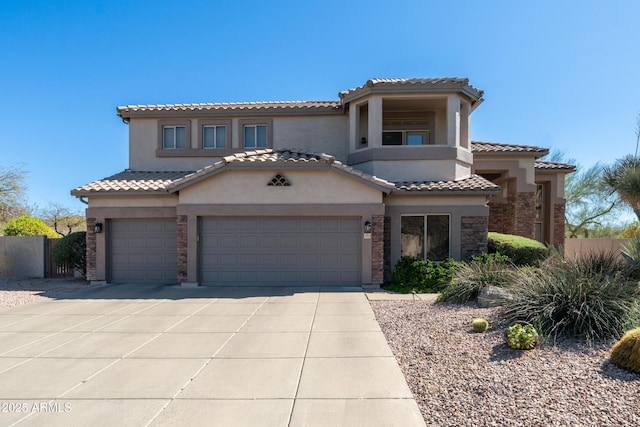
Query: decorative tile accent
{"points": [[279, 180]]}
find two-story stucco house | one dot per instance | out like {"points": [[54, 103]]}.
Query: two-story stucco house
{"points": [[323, 192]]}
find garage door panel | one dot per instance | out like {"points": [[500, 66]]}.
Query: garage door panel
{"points": [[285, 251], [143, 251]]}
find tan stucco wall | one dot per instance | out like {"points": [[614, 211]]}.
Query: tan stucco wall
{"points": [[398, 199], [520, 168], [307, 187], [318, 134], [416, 170], [328, 134], [165, 200]]}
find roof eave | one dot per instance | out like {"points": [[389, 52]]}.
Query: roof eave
{"points": [[487, 192], [126, 113], [89, 193]]}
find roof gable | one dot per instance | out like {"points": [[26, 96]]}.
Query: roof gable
{"points": [[269, 158]]}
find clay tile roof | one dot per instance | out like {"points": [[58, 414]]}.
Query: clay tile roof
{"points": [[444, 83], [282, 156], [473, 184], [232, 106], [290, 155], [130, 181], [556, 166], [494, 147]]}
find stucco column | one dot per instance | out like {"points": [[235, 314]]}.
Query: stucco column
{"points": [[453, 121], [354, 123], [375, 122], [465, 125]]}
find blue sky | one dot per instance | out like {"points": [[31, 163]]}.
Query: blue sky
{"points": [[557, 74]]}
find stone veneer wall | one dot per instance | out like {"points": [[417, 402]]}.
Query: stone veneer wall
{"points": [[182, 247], [91, 250], [387, 249], [558, 224], [515, 216], [377, 249], [473, 236]]}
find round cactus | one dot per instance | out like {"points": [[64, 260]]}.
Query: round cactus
{"points": [[479, 325], [625, 353]]}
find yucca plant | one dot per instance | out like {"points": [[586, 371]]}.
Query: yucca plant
{"points": [[591, 297]]}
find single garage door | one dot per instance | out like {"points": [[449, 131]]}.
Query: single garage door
{"points": [[143, 251], [280, 251]]}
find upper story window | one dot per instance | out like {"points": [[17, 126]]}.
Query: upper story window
{"points": [[214, 136], [256, 134], [407, 127], [174, 134], [174, 137]]}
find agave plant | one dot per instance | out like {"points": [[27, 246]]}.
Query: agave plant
{"points": [[631, 253]]}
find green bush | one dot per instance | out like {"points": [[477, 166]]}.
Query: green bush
{"points": [[471, 278], [71, 250], [491, 258], [625, 353], [416, 275], [520, 250], [28, 226], [591, 297]]}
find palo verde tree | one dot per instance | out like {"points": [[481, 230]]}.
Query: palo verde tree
{"points": [[590, 204]]}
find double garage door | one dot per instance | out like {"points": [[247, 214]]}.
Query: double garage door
{"points": [[280, 251], [241, 251]]}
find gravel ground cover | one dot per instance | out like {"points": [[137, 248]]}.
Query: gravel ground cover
{"points": [[461, 378], [23, 291]]}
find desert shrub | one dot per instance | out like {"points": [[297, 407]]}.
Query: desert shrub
{"points": [[590, 297], [625, 353], [521, 337], [28, 226], [479, 325], [71, 250], [471, 278], [520, 250], [416, 275]]}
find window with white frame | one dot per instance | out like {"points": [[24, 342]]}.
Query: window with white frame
{"points": [[174, 136], [255, 136], [426, 236], [214, 136]]}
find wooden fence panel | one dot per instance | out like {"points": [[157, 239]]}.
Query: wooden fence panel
{"points": [[53, 269]]}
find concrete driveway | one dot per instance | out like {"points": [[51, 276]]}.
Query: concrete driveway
{"points": [[163, 355]]}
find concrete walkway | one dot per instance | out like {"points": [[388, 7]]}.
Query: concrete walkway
{"points": [[161, 355]]}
